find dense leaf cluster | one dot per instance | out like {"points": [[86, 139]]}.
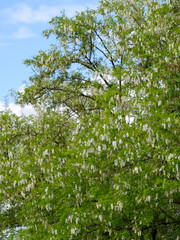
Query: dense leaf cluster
{"points": [[100, 158]]}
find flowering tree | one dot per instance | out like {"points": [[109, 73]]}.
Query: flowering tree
{"points": [[100, 159]]}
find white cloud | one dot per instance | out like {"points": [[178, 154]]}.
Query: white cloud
{"points": [[22, 12], [18, 110], [22, 89], [23, 32], [2, 107]]}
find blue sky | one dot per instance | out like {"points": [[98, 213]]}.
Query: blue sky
{"points": [[21, 26]]}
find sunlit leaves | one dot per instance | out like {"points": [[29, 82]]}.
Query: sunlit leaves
{"points": [[100, 159]]}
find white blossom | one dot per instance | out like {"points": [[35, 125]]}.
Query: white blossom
{"points": [[100, 218], [45, 153], [148, 198], [136, 169], [46, 190], [114, 143]]}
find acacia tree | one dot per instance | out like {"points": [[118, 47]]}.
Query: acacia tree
{"points": [[100, 158]]}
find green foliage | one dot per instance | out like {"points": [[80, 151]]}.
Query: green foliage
{"points": [[100, 159]]}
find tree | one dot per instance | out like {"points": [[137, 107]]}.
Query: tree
{"points": [[100, 159]]}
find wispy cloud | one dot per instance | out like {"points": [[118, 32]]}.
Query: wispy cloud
{"points": [[23, 12], [6, 44], [23, 32]]}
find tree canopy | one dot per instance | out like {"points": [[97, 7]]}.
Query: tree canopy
{"points": [[100, 158]]}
